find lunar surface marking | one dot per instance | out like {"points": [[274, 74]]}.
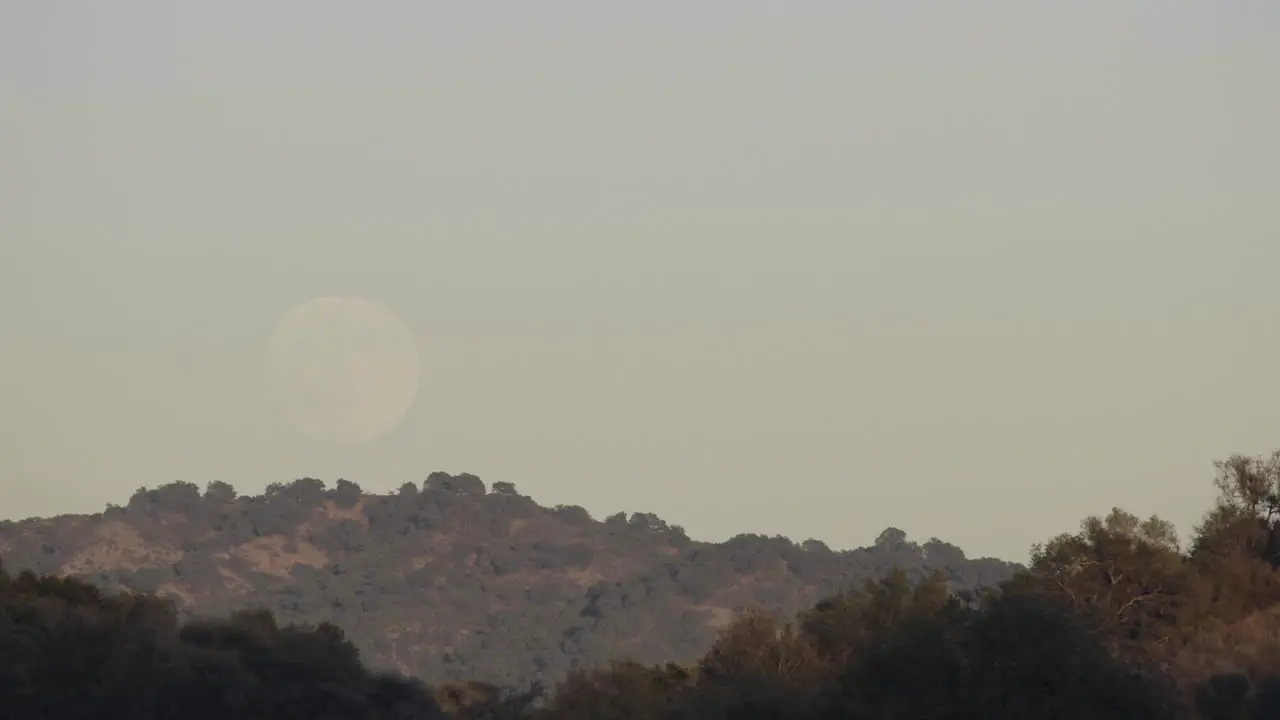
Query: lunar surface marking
{"points": [[342, 370]]}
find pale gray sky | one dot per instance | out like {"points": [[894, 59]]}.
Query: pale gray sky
{"points": [[975, 270]]}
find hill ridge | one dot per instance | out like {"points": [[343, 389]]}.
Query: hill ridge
{"points": [[454, 580]]}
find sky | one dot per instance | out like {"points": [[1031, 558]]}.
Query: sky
{"points": [[974, 270]]}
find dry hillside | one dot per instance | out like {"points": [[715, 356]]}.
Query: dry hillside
{"points": [[450, 580]]}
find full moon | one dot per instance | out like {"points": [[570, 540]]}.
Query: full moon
{"points": [[342, 370]]}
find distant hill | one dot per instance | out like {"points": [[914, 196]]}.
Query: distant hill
{"points": [[453, 581]]}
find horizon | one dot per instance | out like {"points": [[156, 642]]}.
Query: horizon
{"points": [[330, 485]]}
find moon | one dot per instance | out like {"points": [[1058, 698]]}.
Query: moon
{"points": [[342, 370]]}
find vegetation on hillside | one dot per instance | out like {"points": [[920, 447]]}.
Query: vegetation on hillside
{"points": [[1115, 621], [454, 581]]}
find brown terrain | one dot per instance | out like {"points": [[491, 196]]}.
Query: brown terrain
{"points": [[450, 580]]}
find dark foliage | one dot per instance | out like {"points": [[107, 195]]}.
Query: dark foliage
{"points": [[69, 651]]}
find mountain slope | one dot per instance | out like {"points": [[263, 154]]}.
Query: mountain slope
{"points": [[452, 581]]}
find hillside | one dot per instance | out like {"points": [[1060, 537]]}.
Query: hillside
{"points": [[450, 580]]}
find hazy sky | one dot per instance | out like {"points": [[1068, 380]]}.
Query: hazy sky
{"points": [[972, 269]]}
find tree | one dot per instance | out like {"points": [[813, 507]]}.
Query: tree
{"points": [[1244, 518], [891, 538], [1123, 574], [842, 625], [463, 484], [1028, 657], [346, 494], [220, 493]]}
